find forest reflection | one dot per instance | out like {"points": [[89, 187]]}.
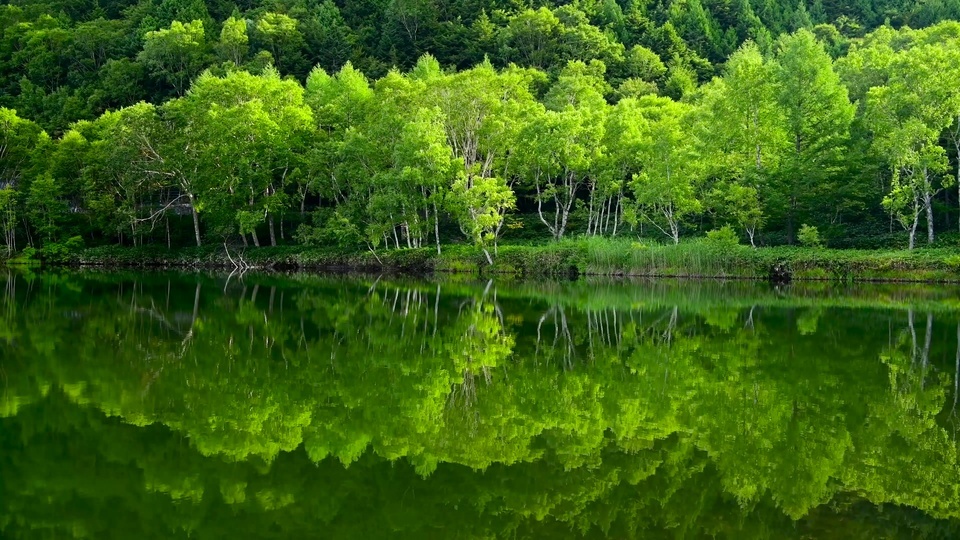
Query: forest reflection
{"points": [[163, 402]]}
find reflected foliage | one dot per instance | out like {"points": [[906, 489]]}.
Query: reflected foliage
{"points": [[170, 405]]}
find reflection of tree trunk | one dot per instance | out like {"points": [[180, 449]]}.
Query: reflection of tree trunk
{"points": [[956, 370], [436, 310], [540, 326], [561, 329], [196, 305], [673, 324], [913, 336], [568, 350], [925, 357]]}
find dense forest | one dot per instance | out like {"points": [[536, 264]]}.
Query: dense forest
{"points": [[385, 124]]}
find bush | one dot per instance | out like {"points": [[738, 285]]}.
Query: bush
{"points": [[809, 236], [61, 252], [26, 257], [723, 239]]}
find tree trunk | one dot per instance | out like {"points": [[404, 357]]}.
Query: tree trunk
{"points": [[489, 258], [793, 206], [273, 234], [928, 205], [551, 228], [436, 226], [196, 220], [616, 213], [913, 227], [26, 231], [591, 227], [256, 241], [956, 147]]}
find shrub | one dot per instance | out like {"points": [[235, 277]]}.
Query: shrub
{"points": [[809, 236], [723, 239], [61, 252]]}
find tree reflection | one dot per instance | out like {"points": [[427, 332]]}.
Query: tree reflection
{"points": [[605, 415]]}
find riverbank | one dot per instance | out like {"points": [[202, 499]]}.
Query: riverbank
{"points": [[593, 256]]}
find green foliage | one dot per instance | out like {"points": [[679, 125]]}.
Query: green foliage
{"points": [[184, 122], [176, 54], [723, 238], [809, 236], [61, 252], [537, 408]]}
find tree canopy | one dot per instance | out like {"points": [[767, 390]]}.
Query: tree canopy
{"points": [[405, 124]]}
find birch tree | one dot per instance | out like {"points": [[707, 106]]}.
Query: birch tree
{"points": [[666, 187]]}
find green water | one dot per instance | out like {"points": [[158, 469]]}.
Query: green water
{"points": [[141, 406]]}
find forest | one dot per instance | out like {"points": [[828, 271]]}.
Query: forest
{"points": [[397, 124]]}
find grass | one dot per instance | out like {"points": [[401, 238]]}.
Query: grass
{"points": [[575, 256]]}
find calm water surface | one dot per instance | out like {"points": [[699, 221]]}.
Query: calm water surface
{"points": [[188, 406]]}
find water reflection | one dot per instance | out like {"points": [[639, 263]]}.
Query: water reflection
{"points": [[165, 405]]}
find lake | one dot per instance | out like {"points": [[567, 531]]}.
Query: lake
{"points": [[173, 405]]}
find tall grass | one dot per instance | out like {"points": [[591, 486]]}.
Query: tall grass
{"points": [[582, 255], [694, 258]]}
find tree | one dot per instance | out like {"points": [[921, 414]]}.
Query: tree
{"points": [[483, 113], [665, 188], [20, 140], [176, 54], [281, 35], [479, 203], [8, 217], [413, 16], [240, 136], [817, 115], [742, 204], [234, 42], [126, 185], [46, 209], [625, 133], [401, 149], [530, 38], [742, 129], [908, 116], [561, 146], [328, 40]]}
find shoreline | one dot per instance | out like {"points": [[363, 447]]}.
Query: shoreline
{"points": [[566, 259]]}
